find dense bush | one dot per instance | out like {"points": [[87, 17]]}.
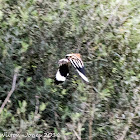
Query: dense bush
{"points": [[35, 34]]}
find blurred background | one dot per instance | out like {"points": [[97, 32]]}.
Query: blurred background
{"points": [[35, 34]]}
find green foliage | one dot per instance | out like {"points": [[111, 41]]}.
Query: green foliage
{"points": [[35, 34]]}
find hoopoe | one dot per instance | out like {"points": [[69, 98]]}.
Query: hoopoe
{"points": [[63, 71]]}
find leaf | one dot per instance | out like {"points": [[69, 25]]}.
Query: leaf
{"points": [[24, 46], [62, 4], [29, 79], [1, 14], [42, 107], [64, 92], [48, 82]]}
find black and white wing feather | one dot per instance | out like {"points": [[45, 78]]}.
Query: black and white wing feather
{"points": [[79, 66], [62, 72]]}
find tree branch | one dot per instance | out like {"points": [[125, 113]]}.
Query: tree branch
{"points": [[107, 23], [78, 137], [11, 91], [111, 17], [36, 108], [127, 127]]}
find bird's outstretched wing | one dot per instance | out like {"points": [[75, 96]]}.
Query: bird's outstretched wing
{"points": [[62, 72], [77, 62]]}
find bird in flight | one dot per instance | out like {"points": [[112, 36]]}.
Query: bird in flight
{"points": [[63, 71]]}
